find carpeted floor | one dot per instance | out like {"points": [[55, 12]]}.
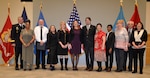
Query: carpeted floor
{"points": [[9, 72]]}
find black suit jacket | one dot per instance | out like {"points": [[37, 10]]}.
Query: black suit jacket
{"points": [[110, 41], [15, 34], [130, 36], [88, 36]]}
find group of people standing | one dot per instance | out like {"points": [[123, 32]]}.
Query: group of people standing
{"points": [[98, 45]]}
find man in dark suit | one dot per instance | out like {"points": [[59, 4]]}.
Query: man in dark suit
{"points": [[110, 40], [15, 36], [129, 53], [88, 35]]}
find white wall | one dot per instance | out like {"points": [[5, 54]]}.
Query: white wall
{"points": [[103, 11]]}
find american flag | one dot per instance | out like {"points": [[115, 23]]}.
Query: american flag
{"points": [[73, 16]]}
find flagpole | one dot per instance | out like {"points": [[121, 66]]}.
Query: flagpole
{"points": [[8, 8], [23, 4], [7, 64], [8, 14]]}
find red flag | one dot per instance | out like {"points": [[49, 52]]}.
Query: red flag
{"points": [[135, 17], [5, 41]]}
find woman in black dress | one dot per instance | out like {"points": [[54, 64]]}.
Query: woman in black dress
{"points": [[139, 38], [75, 40], [63, 37], [52, 47]]}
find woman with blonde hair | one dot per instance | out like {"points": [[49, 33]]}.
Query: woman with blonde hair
{"points": [[63, 38], [121, 44]]}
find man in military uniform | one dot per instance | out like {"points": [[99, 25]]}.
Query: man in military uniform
{"points": [[15, 34]]}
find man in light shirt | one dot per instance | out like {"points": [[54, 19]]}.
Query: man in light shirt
{"points": [[40, 32]]}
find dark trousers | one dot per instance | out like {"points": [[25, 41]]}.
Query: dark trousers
{"points": [[128, 54], [138, 53], [119, 58], [18, 52], [89, 55], [38, 56], [109, 59]]}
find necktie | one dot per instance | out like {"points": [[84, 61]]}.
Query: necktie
{"points": [[88, 27], [129, 33], [41, 33]]}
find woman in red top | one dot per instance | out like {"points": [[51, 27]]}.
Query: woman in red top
{"points": [[99, 46]]}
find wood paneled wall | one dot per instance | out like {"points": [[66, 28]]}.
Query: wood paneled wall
{"points": [[148, 51]]}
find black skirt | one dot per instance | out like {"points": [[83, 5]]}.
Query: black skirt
{"points": [[52, 56], [62, 51]]}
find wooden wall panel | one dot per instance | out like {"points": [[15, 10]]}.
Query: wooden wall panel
{"points": [[148, 51]]}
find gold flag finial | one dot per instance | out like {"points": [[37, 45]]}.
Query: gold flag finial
{"points": [[74, 1], [23, 4], [8, 8], [136, 2], [121, 1], [41, 5]]}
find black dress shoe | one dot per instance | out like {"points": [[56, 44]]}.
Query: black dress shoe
{"points": [[61, 68], [16, 68], [90, 69], [118, 70], [87, 68], [21, 67], [141, 72], [37, 68], [66, 68], [24, 69], [43, 68], [108, 70], [134, 72], [76, 68], [124, 69], [30, 69], [130, 70]]}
